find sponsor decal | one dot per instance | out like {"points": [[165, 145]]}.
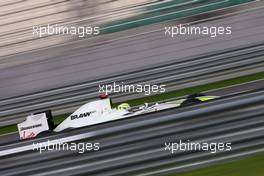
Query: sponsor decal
{"points": [[82, 115], [31, 135], [30, 127]]}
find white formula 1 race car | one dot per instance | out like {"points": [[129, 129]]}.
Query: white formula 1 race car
{"points": [[96, 112]]}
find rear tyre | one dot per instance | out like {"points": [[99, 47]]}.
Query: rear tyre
{"points": [[45, 133], [189, 102]]}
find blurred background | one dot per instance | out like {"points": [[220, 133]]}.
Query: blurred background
{"points": [[62, 72]]}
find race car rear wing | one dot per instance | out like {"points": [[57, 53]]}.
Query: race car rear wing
{"points": [[35, 124]]}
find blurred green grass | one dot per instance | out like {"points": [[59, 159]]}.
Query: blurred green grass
{"points": [[251, 166]]}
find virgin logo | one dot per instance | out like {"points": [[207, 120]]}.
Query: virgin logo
{"points": [[27, 136]]}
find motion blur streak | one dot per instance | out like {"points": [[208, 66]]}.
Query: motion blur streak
{"points": [[69, 65], [128, 143], [136, 59]]}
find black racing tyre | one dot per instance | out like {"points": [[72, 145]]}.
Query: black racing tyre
{"points": [[193, 96], [189, 102], [45, 133]]}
